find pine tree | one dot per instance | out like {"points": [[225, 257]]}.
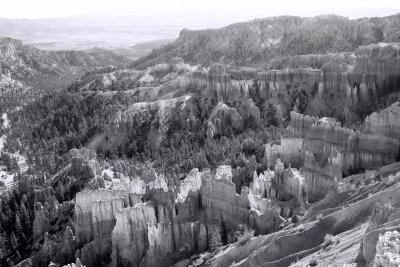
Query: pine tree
{"points": [[224, 234], [25, 216], [215, 240], [18, 226], [13, 241]]}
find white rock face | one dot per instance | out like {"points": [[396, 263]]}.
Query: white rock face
{"points": [[159, 183], [192, 183], [262, 184], [388, 250], [224, 172]]}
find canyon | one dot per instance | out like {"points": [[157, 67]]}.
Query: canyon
{"points": [[227, 147]]}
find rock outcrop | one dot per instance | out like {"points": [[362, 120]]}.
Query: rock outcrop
{"points": [[388, 250], [222, 119], [111, 226], [385, 122], [154, 118], [384, 218], [326, 152], [76, 264], [288, 150]]}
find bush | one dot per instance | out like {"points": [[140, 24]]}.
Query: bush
{"points": [[313, 262], [329, 240], [243, 234], [247, 235], [390, 181], [295, 219]]}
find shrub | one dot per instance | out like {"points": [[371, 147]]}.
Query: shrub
{"points": [[247, 235], [328, 241], [243, 234], [295, 219], [390, 181], [313, 262]]}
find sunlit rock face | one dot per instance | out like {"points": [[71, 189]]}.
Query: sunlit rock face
{"points": [[191, 184], [286, 184], [388, 250], [222, 118], [299, 125], [219, 82], [294, 183], [95, 220], [109, 224], [384, 123], [262, 184], [135, 234], [222, 88], [113, 228], [88, 208], [221, 202]]}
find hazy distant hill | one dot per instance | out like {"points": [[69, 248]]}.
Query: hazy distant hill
{"points": [[83, 33], [142, 49]]}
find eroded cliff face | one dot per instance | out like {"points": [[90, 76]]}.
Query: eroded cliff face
{"points": [[95, 220], [288, 150], [347, 93], [153, 118], [221, 202], [385, 122], [113, 228], [223, 118], [326, 152]]}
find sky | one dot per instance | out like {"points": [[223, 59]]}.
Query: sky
{"points": [[192, 12]]}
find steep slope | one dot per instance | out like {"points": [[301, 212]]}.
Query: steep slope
{"points": [[256, 42], [31, 65], [345, 217]]}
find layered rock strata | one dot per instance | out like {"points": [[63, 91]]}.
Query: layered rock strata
{"points": [[327, 151], [111, 228]]}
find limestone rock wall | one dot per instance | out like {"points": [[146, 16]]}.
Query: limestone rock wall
{"points": [[385, 122], [88, 211], [327, 151], [299, 125], [289, 150], [221, 202]]}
